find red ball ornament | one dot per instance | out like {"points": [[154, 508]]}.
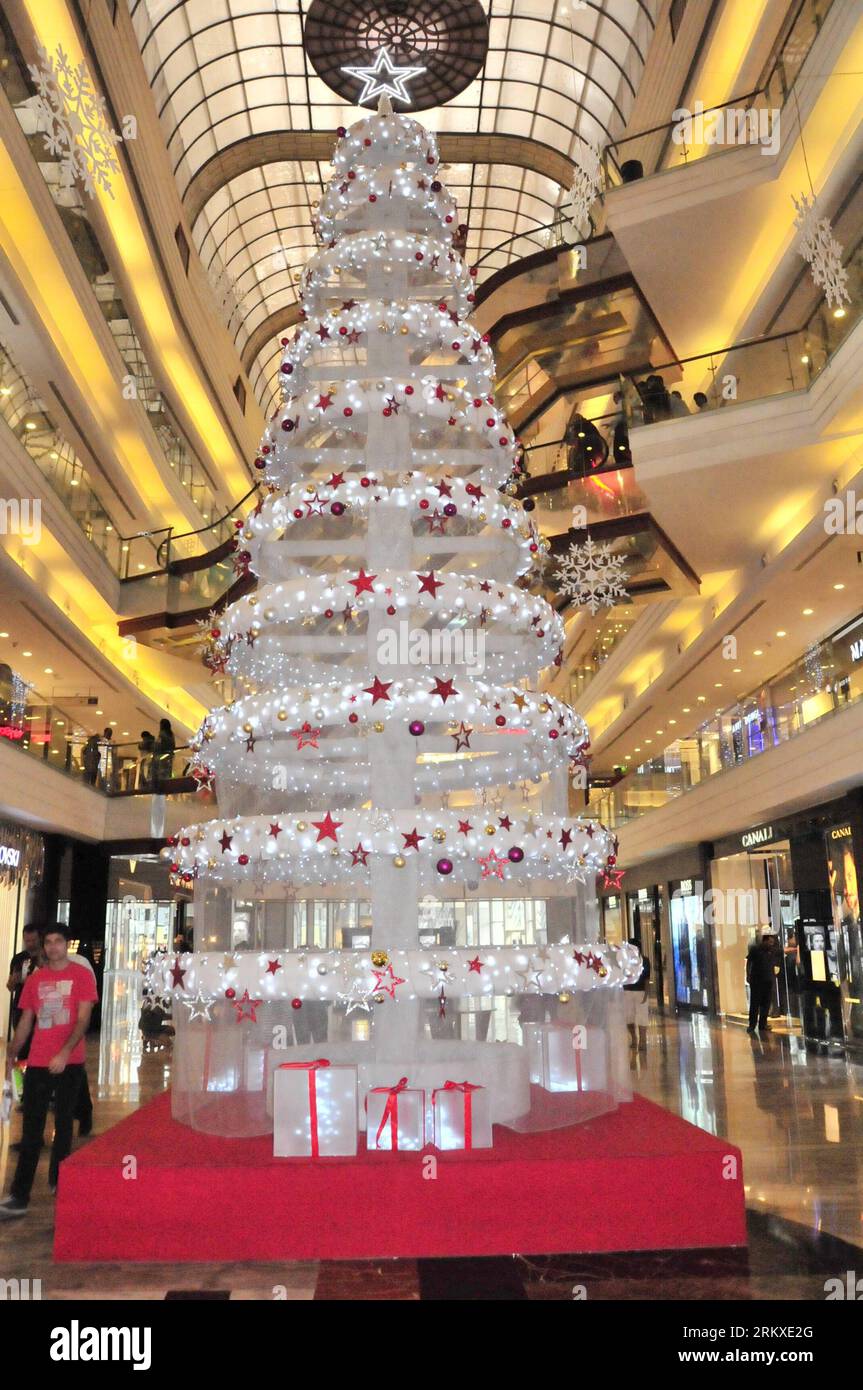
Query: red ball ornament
{"points": [[419, 256], [540, 632], [351, 174], [353, 718], [341, 132], [347, 410], [365, 482], [436, 186], [503, 441], [342, 330], [298, 513], [174, 868], [242, 859], [500, 720], [506, 523], [367, 142], [328, 612], [474, 271], [265, 449], [373, 197], [424, 504], [337, 508], [285, 342], [391, 611], [215, 632], [490, 422], [296, 1003], [533, 548], [429, 159], [553, 733], [287, 369], [287, 426], [230, 994], [448, 217], [477, 401], [185, 840], [259, 463], [442, 307], [471, 299], [409, 390], [386, 410], [456, 347]]}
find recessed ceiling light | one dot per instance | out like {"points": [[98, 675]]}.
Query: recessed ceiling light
{"points": [[839, 313], [736, 671], [113, 723], [838, 586], [782, 633], [49, 671], [686, 709], [4, 634], [717, 685], [807, 612], [672, 721], [26, 653], [701, 699], [648, 740], [98, 711], [758, 652], [660, 731]]}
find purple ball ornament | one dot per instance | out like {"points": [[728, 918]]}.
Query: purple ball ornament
{"points": [[516, 854], [417, 727], [444, 866], [450, 509], [337, 508]]}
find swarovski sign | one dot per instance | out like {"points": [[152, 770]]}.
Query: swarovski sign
{"points": [[10, 857]]}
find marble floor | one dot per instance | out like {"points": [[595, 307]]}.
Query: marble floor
{"points": [[797, 1117]]}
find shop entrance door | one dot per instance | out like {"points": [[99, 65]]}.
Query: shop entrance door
{"points": [[646, 917]]}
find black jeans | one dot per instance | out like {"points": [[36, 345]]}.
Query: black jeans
{"points": [[39, 1086], [760, 996]]}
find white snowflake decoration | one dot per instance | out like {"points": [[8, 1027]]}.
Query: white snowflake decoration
{"points": [[586, 186], [75, 127], [225, 293], [819, 247], [592, 576]]}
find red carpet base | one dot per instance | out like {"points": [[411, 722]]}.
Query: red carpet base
{"points": [[636, 1179]]}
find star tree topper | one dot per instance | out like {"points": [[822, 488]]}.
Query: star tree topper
{"points": [[383, 78]]}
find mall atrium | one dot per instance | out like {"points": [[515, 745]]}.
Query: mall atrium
{"points": [[411, 736]]}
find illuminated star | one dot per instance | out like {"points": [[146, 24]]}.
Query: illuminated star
{"points": [[306, 736], [383, 78], [357, 997], [394, 980], [612, 878], [199, 1007], [492, 866], [327, 828]]}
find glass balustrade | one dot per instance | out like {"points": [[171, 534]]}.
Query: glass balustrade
{"points": [[74, 213], [674, 143], [748, 371], [819, 684]]}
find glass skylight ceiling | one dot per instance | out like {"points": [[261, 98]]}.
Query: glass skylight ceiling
{"points": [[226, 71]]}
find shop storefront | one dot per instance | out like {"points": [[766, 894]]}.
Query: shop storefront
{"points": [[842, 872], [22, 854], [689, 948]]}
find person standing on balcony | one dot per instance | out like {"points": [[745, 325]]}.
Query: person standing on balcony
{"points": [[106, 758], [165, 747], [146, 753], [90, 758]]}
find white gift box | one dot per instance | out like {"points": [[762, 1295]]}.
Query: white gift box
{"points": [[314, 1110], [566, 1057], [395, 1118], [462, 1117]]}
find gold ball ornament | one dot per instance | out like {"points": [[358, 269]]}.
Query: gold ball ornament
{"points": [[282, 715], [491, 830], [439, 836], [379, 998], [301, 826], [378, 726], [269, 614], [564, 996], [247, 728], [399, 861], [380, 959]]}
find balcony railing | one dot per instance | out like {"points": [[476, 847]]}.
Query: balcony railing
{"points": [[748, 371], [817, 685], [655, 150]]}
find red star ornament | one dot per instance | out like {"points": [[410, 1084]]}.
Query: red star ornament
{"points": [[359, 855], [491, 865], [363, 583], [246, 1008], [475, 965], [412, 841], [444, 689], [378, 690], [177, 973], [273, 966], [393, 980], [428, 584], [612, 878], [327, 828]]}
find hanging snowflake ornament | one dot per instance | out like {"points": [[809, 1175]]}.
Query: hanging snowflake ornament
{"points": [[819, 247], [74, 123], [586, 186], [592, 575]]}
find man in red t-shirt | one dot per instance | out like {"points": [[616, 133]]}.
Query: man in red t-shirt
{"points": [[58, 999]]}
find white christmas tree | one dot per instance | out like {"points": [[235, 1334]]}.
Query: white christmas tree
{"points": [[381, 664]]}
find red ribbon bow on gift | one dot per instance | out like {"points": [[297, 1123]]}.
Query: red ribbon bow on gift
{"points": [[391, 1111], [313, 1068], [466, 1087]]}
